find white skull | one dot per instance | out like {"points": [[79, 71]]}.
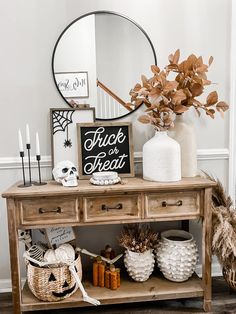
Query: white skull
{"points": [[65, 172], [25, 237]]}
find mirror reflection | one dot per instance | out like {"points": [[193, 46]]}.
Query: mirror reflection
{"points": [[97, 60]]}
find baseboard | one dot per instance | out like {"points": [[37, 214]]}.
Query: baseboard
{"points": [[216, 270], [5, 285]]}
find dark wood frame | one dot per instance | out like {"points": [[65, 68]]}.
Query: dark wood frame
{"points": [[82, 108], [107, 124], [74, 72]]}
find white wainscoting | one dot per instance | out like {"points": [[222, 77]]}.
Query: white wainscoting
{"points": [[202, 154], [5, 285], [15, 162], [215, 270]]}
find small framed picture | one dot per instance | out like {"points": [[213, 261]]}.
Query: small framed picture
{"points": [[72, 84], [105, 147], [59, 235], [63, 132]]}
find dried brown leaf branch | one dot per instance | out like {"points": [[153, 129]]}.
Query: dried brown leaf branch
{"points": [[165, 97], [137, 238], [223, 226]]}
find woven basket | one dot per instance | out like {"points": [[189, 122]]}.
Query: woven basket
{"points": [[230, 277], [54, 283]]}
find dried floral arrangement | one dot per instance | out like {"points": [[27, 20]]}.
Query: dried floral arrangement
{"points": [[166, 97], [138, 238], [224, 226]]}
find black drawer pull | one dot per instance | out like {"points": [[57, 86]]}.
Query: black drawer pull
{"points": [[107, 208], [178, 203], [54, 210]]}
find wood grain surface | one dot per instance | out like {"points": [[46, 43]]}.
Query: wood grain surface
{"points": [[127, 185]]}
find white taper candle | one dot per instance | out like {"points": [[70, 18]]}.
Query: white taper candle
{"points": [[37, 145], [20, 141], [27, 134]]}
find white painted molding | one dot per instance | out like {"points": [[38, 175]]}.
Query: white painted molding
{"points": [[6, 286], [232, 120], [138, 157], [202, 154], [15, 162], [213, 154], [216, 270]]}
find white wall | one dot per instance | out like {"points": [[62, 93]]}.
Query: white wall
{"points": [[123, 54], [28, 32], [76, 51]]}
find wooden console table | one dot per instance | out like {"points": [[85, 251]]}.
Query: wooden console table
{"points": [[135, 200]]}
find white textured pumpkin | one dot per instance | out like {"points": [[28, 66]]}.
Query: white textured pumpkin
{"points": [[139, 265], [65, 253], [50, 256]]}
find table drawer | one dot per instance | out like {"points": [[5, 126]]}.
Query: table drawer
{"points": [[41, 211], [176, 204], [115, 207]]}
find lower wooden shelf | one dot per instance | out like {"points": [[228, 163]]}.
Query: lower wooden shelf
{"points": [[155, 288]]}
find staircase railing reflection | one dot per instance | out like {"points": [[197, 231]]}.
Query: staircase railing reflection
{"points": [[109, 104]]}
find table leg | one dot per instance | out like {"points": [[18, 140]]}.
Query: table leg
{"points": [[14, 255], [206, 250]]}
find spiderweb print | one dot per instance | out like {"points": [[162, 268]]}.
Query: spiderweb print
{"points": [[61, 120]]}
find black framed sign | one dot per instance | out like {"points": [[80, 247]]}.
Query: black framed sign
{"points": [[105, 147]]}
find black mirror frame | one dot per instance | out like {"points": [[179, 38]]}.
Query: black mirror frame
{"points": [[87, 14]]}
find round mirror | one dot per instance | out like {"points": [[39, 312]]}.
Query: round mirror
{"points": [[98, 58]]}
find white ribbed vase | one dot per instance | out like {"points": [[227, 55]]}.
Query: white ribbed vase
{"points": [[139, 265], [184, 134], [177, 255], [161, 159]]}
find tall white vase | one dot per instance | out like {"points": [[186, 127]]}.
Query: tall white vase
{"points": [[184, 134], [161, 159]]}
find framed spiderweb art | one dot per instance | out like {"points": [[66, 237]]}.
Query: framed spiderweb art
{"points": [[64, 132]]}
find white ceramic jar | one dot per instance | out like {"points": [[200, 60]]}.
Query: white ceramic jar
{"points": [[177, 255], [139, 265], [161, 159]]}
